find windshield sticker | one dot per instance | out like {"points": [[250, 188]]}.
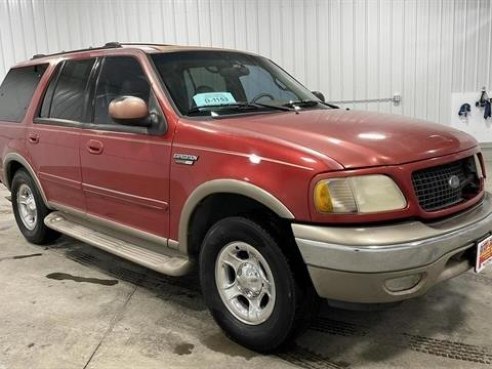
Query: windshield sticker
{"points": [[213, 98]]}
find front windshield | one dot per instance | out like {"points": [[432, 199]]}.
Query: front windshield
{"points": [[204, 81]]}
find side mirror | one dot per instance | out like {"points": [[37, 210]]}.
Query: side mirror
{"points": [[319, 95], [130, 110]]}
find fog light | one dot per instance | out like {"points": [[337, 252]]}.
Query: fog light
{"points": [[403, 283]]}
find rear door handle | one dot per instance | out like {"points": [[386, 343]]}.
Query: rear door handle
{"points": [[95, 147], [33, 137]]}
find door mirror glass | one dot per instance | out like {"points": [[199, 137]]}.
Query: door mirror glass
{"points": [[130, 110], [319, 95]]}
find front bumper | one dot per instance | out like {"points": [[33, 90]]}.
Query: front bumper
{"points": [[355, 263]]}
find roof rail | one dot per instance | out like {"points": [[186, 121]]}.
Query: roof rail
{"points": [[143, 44], [108, 45]]}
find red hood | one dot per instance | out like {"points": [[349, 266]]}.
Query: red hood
{"points": [[357, 138]]}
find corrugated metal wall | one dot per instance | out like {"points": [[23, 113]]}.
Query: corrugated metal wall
{"points": [[349, 49]]}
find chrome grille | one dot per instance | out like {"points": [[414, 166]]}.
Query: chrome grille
{"points": [[437, 187]]}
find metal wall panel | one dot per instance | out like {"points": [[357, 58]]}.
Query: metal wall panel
{"points": [[349, 49]]}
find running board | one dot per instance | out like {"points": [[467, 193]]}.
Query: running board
{"points": [[170, 265]]}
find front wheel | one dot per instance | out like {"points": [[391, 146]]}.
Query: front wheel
{"points": [[249, 286]]}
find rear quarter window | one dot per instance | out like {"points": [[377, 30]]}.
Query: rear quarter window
{"points": [[17, 90]]}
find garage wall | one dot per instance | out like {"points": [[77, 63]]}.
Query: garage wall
{"points": [[424, 50]]}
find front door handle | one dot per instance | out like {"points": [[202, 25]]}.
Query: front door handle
{"points": [[33, 137], [95, 147]]}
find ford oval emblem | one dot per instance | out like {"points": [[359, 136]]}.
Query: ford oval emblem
{"points": [[454, 182]]}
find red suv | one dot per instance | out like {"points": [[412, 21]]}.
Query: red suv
{"points": [[175, 156]]}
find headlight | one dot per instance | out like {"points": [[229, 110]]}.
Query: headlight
{"points": [[361, 194]]}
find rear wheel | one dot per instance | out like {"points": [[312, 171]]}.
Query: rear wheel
{"points": [[30, 210], [249, 285]]}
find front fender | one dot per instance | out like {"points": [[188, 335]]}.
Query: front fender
{"points": [[232, 186]]}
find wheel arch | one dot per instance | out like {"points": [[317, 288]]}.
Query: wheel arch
{"points": [[13, 162], [225, 187]]}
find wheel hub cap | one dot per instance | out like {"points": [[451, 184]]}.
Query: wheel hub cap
{"points": [[249, 280], [31, 205], [26, 206], [245, 283]]}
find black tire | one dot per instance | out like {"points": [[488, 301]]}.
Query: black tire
{"points": [[293, 298], [39, 234]]}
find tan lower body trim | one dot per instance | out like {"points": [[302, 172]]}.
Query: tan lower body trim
{"points": [[114, 226]]}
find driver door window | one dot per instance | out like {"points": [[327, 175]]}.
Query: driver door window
{"points": [[120, 76]]}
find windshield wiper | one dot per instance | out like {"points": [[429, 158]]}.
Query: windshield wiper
{"points": [[333, 106], [238, 105], [310, 103], [301, 103], [277, 107]]}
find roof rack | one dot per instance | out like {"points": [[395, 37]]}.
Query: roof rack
{"points": [[144, 44], [108, 45]]}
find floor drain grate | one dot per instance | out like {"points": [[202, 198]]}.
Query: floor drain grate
{"points": [[338, 328], [309, 360], [449, 349]]}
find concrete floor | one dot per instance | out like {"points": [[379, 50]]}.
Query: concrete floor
{"points": [[69, 305]]}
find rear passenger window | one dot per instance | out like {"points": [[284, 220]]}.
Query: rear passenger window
{"points": [[65, 95], [17, 90]]}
